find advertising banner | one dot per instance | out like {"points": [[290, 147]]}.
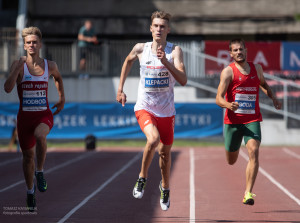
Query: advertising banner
{"points": [[112, 121], [266, 54], [291, 56]]}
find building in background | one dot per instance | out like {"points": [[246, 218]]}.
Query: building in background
{"points": [[201, 28]]}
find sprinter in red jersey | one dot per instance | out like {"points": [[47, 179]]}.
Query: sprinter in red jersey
{"points": [[239, 84], [35, 120]]}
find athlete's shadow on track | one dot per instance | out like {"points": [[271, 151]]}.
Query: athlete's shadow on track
{"points": [[134, 210]]}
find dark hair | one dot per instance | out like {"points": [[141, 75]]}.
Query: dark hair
{"points": [[236, 40]]}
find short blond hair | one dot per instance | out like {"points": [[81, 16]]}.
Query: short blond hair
{"points": [[31, 31], [160, 15]]}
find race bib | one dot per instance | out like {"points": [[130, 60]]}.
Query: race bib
{"points": [[157, 81], [35, 100], [246, 103]]}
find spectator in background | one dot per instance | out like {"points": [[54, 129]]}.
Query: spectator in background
{"points": [[86, 39]]}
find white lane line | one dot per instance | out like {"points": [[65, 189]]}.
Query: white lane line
{"points": [[192, 186], [290, 152], [10, 161], [275, 182], [51, 169], [101, 187]]}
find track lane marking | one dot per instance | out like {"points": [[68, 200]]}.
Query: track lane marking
{"points": [[10, 161], [275, 182], [50, 170], [100, 188], [192, 186], [290, 152]]}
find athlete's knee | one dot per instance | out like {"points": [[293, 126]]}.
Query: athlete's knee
{"points": [[231, 157], [40, 138], [28, 156], [253, 156], [164, 155], [153, 141], [253, 152], [231, 161]]}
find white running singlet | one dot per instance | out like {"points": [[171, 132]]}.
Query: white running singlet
{"points": [[156, 87]]}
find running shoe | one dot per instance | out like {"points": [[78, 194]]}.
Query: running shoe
{"points": [[138, 190], [249, 198], [41, 182], [164, 198], [30, 202]]}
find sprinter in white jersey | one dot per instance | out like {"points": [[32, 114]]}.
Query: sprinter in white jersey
{"points": [[161, 65]]}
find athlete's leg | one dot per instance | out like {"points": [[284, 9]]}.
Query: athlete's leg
{"points": [[233, 138], [252, 139], [40, 133], [253, 163], [153, 139], [165, 163], [232, 157], [166, 130], [28, 167]]}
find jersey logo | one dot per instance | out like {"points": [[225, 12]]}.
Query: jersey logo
{"points": [[28, 77], [148, 62]]}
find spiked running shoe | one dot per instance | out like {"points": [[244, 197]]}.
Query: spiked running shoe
{"points": [[41, 182], [138, 190], [164, 198], [249, 198], [30, 202]]}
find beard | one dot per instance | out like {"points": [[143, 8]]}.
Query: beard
{"points": [[241, 59]]}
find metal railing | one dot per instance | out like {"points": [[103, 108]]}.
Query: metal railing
{"points": [[107, 59], [8, 33], [104, 59], [67, 57], [8, 53], [66, 54]]}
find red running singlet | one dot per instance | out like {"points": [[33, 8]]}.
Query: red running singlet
{"points": [[243, 89], [34, 107]]}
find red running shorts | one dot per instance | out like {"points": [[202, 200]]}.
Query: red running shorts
{"points": [[27, 123], [164, 125]]}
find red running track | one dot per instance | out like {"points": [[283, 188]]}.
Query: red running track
{"points": [[97, 187]]}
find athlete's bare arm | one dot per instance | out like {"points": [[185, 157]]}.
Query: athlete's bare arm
{"points": [[135, 53], [53, 70], [266, 88], [178, 69], [14, 74], [225, 79]]}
